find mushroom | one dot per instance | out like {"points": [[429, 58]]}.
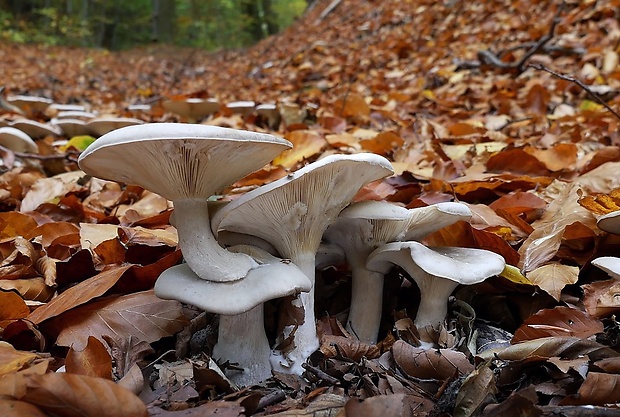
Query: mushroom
{"points": [[292, 213], [186, 163], [32, 103], [192, 108], [363, 227], [35, 129], [437, 272], [17, 141], [609, 264], [241, 107], [270, 112], [101, 125], [71, 127], [241, 334], [610, 222]]}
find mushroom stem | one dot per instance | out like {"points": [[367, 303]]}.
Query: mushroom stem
{"points": [[305, 339], [242, 339], [201, 250], [366, 302], [434, 293]]}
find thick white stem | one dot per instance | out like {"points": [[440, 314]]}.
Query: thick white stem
{"points": [[305, 339], [434, 293], [242, 339], [366, 304], [201, 250]]}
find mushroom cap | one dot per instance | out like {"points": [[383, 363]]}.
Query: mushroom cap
{"points": [[179, 161], [426, 220], [462, 265], [35, 103], [17, 141], [71, 127], [101, 125], [610, 222], [293, 212], [35, 129], [609, 264], [272, 279], [195, 108]]}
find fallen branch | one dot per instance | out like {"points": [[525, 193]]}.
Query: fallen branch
{"points": [[578, 82]]}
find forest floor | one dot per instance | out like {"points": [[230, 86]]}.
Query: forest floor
{"points": [[507, 106]]}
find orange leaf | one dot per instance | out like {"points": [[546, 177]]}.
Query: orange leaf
{"points": [[13, 223], [597, 389], [306, 144], [12, 307], [352, 105], [12, 408], [558, 321], [552, 278], [79, 294], [383, 143], [94, 360], [72, 395]]}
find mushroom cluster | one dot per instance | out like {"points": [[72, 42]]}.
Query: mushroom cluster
{"points": [[267, 243]]}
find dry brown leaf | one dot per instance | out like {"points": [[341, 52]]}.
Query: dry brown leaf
{"points": [[70, 395], [306, 144], [142, 315], [46, 267], [382, 144], [601, 298], [394, 405], [12, 360], [13, 223], [209, 409], [49, 232], [47, 189], [477, 387], [552, 278], [12, 307], [516, 161], [79, 294], [547, 347], [543, 243], [597, 389], [332, 346], [94, 360], [562, 156], [13, 408], [430, 363], [31, 289], [352, 105], [558, 321]]}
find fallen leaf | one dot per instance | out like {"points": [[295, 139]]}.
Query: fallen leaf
{"points": [[430, 363], [597, 389], [552, 278], [142, 315], [477, 388], [94, 360], [394, 405], [558, 321]]}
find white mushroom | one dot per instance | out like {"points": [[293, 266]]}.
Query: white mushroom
{"points": [[363, 227], [241, 334], [241, 107], [609, 264], [35, 129], [99, 126], [17, 141], [192, 108], [32, 103], [186, 164], [610, 222], [437, 272], [292, 213]]}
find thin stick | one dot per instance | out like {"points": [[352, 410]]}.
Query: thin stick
{"points": [[580, 83], [320, 374]]}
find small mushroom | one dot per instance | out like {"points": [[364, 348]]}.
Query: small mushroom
{"points": [[99, 126], [241, 107], [187, 164], [363, 227], [241, 334], [35, 129], [437, 272], [32, 103], [610, 222], [17, 141], [292, 213], [269, 111], [192, 108], [609, 264]]}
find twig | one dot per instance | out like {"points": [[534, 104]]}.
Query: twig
{"points": [[580, 83], [320, 374], [330, 8], [273, 397]]}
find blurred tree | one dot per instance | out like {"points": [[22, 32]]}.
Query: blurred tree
{"points": [[116, 24]]}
